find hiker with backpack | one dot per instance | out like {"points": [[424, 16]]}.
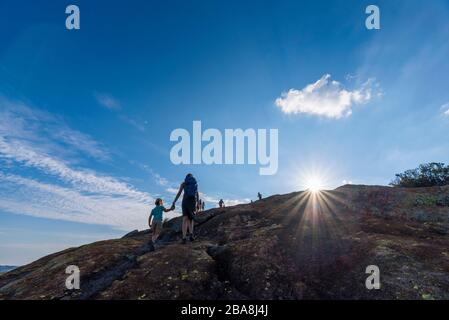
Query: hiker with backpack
{"points": [[189, 205]]}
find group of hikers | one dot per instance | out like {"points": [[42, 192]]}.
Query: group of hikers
{"points": [[190, 201], [190, 205]]}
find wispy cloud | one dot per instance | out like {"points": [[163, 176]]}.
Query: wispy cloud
{"points": [[139, 125], [326, 98], [445, 108], [80, 178], [57, 188], [35, 198], [172, 190], [108, 101], [161, 181], [19, 122]]}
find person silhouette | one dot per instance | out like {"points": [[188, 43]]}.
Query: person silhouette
{"points": [[259, 195], [189, 205]]}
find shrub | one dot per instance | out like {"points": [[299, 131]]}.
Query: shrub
{"points": [[426, 175]]}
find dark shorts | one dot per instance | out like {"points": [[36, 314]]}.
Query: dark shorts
{"points": [[189, 207]]}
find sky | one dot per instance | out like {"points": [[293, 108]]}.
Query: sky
{"points": [[86, 115]]}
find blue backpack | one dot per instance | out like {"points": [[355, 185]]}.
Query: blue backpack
{"points": [[190, 186]]}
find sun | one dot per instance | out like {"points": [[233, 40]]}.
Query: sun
{"points": [[313, 178], [314, 183]]}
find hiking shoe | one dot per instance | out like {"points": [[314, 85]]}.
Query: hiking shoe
{"points": [[191, 238], [184, 241]]}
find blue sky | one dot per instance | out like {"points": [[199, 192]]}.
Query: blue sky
{"points": [[86, 115]]}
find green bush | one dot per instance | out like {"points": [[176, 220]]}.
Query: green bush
{"points": [[426, 175]]}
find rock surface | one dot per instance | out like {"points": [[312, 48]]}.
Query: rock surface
{"points": [[295, 246]]}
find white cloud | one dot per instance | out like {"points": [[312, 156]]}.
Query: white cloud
{"points": [[23, 123], [139, 125], [157, 178], [58, 189], [82, 142], [107, 101], [445, 107], [325, 98], [172, 190], [82, 179], [35, 198]]}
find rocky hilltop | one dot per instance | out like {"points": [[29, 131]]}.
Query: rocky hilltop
{"points": [[296, 246]]}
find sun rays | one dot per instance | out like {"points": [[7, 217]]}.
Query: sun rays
{"points": [[313, 179], [314, 216], [314, 184]]}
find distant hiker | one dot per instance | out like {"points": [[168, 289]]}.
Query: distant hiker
{"points": [[189, 205], [156, 217], [221, 203], [199, 205], [203, 205], [259, 195]]}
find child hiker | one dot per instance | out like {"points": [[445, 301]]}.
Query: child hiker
{"points": [[156, 217]]}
